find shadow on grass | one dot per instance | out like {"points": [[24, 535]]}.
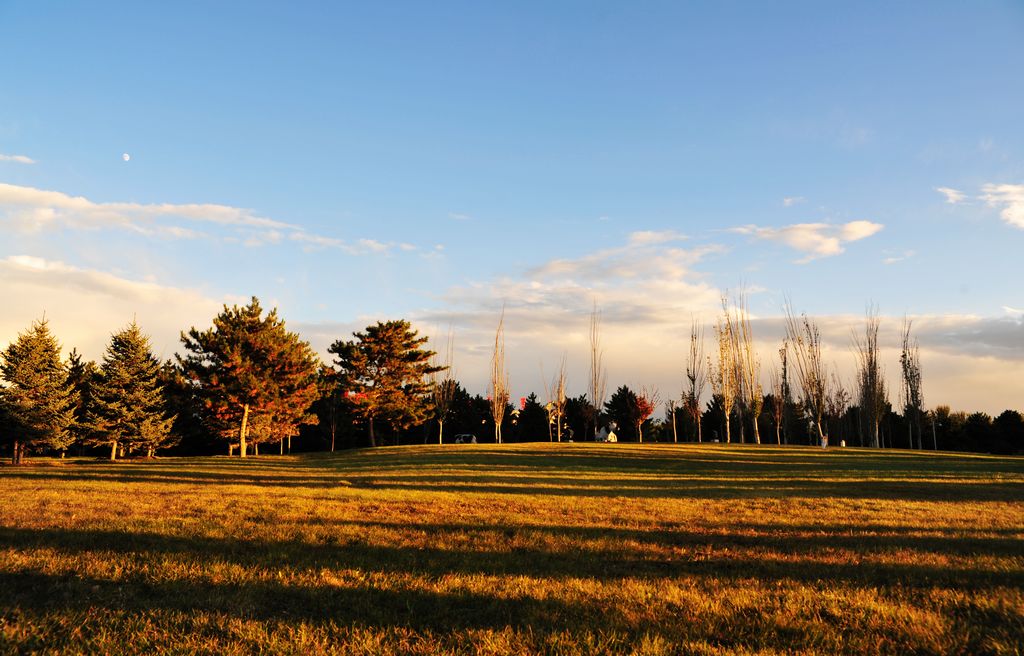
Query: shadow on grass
{"points": [[718, 555], [628, 471]]}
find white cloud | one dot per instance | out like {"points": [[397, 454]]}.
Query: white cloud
{"points": [[459, 217], [1013, 312], [790, 201], [20, 159], [893, 259], [647, 294], [953, 196], [817, 240], [84, 306], [1008, 196], [645, 237], [33, 209], [30, 210]]}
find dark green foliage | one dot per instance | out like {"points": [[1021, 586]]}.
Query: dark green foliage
{"points": [[1009, 432], [623, 408], [38, 402], [579, 415], [384, 374], [247, 369], [82, 377], [183, 401], [469, 414], [127, 410], [532, 422]]}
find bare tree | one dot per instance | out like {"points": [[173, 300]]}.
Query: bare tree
{"points": [[598, 374], [646, 402], [913, 401], [748, 365], [871, 389], [697, 370], [838, 401], [670, 410], [724, 382], [442, 385], [556, 399], [499, 379], [780, 392], [811, 376]]}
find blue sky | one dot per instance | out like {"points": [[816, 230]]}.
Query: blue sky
{"points": [[353, 162]]}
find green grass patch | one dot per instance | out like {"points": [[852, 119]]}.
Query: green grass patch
{"points": [[524, 549]]}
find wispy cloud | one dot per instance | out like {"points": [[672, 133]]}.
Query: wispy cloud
{"points": [[893, 259], [1013, 312], [649, 237], [1010, 198], [459, 217], [20, 159], [817, 240], [35, 209], [953, 196], [790, 201], [31, 210]]}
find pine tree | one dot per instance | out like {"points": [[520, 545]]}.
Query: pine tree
{"points": [[385, 373], [127, 411], [250, 367], [82, 376], [37, 402]]}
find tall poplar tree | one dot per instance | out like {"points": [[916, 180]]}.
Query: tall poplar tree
{"points": [[385, 374], [127, 409], [37, 401], [250, 366]]}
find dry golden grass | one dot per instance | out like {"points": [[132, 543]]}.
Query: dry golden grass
{"points": [[522, 549]]}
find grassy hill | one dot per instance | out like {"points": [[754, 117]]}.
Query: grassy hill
{"points": [[568, 549]]}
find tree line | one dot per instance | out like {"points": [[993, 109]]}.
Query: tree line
{"points": [[248, 381]]}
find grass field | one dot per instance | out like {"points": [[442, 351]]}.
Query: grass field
{"points": [[526, 549]]}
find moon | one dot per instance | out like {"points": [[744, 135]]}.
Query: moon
{"points": [[126, 157]]}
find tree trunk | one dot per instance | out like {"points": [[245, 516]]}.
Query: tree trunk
{"points": [[373, 439], [440, 432], [113, 450], [675, 436], [935, 440], [242, 431], [778, 432], [757, 432], [256, 448], [282, 446], [728, 435], [700, 430], [640, 431], [289, 445], [332, 438], [14, 453]]}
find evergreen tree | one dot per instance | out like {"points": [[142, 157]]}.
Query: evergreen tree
{"points": [[37, 402], [385, 374], [624, 409], [82, 377], [532, 424], [127, 411], [183, 401], [578, 415], [250, 367]]}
